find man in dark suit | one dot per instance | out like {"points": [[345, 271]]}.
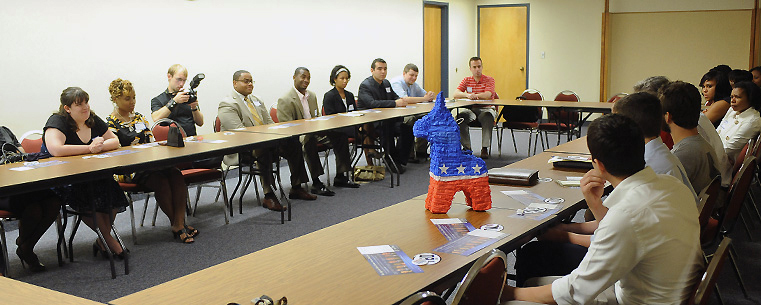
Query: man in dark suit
{"points": [[241, 109], [300, 103], [376, 92]]}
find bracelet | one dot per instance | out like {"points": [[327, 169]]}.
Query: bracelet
{"points": [[195, 109], [171, 104]]}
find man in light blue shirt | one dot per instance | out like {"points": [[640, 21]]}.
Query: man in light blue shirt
{"points": [[405, 86]]}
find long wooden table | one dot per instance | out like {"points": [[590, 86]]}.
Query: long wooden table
{"points": [[578, 146], [324, 267], [16, 292]]}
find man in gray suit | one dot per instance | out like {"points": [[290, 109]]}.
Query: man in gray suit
{"points": [[300, 103], [242, 109]]}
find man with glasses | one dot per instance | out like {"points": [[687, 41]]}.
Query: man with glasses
{"points": [[241, 109]]}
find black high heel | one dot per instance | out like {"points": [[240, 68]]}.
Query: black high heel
{"points": [[187, 239], [193, 231], [30, 259], [96, 248]]}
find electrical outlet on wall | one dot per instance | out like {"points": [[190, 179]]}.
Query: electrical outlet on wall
{"points": [[542, 54]]}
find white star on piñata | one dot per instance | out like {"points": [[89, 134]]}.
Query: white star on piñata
{"points": [[477, 169], [461, 169], [443, 168]]}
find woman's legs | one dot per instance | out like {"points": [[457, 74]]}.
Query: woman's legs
{"points": [[104, 224], [34, 222], [171, 194]]}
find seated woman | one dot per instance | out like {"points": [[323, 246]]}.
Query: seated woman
{"points": [[339, 100], [716, 91], [76, 130], [36, 211], [167, 184], [742, 121]]}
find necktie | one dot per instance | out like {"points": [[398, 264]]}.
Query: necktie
{"points": [[253, 111]]}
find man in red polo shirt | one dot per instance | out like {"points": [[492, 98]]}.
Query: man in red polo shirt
{"points": [[476, 87]]}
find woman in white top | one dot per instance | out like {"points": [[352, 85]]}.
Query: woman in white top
{"points": [[742, 120]]}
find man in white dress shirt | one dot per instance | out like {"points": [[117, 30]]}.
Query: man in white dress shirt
{"points": [[646, 249]]}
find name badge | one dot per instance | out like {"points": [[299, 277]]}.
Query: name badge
{"points": [[469, 89], [388, 89], [724, 124], [350, 108], [256, 103], [140, 126]]}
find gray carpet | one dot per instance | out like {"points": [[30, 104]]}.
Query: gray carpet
{"points": [[158, 258]]}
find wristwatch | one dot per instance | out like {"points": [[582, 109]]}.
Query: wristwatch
{"points": [[196, 109], [171, 104]]}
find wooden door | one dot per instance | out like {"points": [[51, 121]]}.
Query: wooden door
{"points": [[432, 48], [502, 45]]}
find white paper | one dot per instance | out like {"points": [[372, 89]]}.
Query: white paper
{"points": [[146, 145], [321, 118], [21, 169], [375, 249], [351, 114], [547, 206], [572, 178], [445, 221], [487, 234]]}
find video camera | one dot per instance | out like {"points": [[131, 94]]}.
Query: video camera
{"points": [[192, 94]]}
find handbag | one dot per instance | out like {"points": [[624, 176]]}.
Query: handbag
{"points": [[369, 173], [11, 154], [174, 137]]}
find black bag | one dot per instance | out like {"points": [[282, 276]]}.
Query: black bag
{"points": [[6, 136], [174, 137], [11, 154]]}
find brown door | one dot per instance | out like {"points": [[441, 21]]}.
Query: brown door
{"points": [[502, 47], [432, 48]]}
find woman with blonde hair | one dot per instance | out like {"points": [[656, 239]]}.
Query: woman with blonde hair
{"points": [[167, 184]]}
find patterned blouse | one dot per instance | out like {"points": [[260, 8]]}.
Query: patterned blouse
{"points": [[137, 128], [130, 133]]}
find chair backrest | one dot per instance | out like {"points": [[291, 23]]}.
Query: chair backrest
{"points": [[737, 193], [31, 141], [707, 282], [484, 281], [740, 157], [217, 125], [567, 96], [160, 129], [273, 113], [532, 95], [424, 298], [617, 97], [709, 196]]}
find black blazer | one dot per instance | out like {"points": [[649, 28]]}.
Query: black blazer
{"points": [[332, 102]]}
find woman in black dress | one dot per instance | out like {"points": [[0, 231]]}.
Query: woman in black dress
{"points": [[76, 130]]}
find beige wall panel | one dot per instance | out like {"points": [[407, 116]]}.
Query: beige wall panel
{"points": [[679, 45]]}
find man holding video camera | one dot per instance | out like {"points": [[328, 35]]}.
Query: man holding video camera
{"points": [[178, 104]]}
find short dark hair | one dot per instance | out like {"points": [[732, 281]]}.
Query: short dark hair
{"points": [[645, 109], [377, 60], [617, 142], [752, 91], [334, 73], [755, 69], [474, 58], [238, 73], [412, 67], [682, 101], [298, 70], [651, 84], [723, 89], [725, 69], [740, 75]]}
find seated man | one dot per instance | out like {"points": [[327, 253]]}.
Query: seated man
{"points": [[647, 247], [300, 103], [375, 92], [476, 87], [572, 240], [405, 86], [240, 109], [681, 108], [174, 102]]}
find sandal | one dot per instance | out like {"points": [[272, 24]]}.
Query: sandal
{"points": [[193, 231], [184, 236]]}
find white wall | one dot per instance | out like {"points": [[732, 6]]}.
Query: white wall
{"points": [[622, 6], [50, 45]]}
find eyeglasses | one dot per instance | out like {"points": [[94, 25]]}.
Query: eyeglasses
{"points": [[245, 81]]}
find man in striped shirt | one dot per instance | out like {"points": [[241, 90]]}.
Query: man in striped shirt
{"points": [[476, 87]]}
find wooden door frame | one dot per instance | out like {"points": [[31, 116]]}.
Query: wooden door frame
{"points": [[444, 43], [528, 24]]}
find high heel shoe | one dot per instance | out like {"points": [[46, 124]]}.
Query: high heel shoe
{"points": [[96, 248], [30, 259], [184, 236], [193, 231]]}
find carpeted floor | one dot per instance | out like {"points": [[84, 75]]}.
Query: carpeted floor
{"points": [[158, 258]]}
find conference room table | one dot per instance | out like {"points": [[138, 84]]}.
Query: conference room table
{"points": [[578, 146], [325, 267], [17, 292]]}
